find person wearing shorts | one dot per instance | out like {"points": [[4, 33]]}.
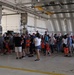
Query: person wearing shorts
{"points": [[37, 41], [18, 46]]}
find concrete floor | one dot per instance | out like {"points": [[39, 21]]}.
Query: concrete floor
{"points": [[56, 64]]}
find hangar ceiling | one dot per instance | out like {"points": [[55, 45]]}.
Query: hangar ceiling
{"points": [[60, 12]]}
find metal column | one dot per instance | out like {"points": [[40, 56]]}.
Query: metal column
{"points": [[35, 23], [0, 18]]}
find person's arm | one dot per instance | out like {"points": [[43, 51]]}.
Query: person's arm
{"points": [[34, 40]]}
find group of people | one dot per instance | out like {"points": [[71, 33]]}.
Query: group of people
{"points": [[31, 44], [23, 45]]}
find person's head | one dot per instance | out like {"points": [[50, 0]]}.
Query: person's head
{"points": [[33, 34], [65, 36], [37, 31], [45, 32], [17, 34], [38, 35]]}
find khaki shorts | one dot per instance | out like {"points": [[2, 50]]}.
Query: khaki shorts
{"points": [[18, 49]]}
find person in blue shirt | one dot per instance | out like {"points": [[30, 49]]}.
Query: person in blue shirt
{"points": [[69, 43]]}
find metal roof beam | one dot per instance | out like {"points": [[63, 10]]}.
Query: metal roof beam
{"points": [[10, 14], [46, 5], [15, 7], [35, 2], [58, 4], [63, 12]]}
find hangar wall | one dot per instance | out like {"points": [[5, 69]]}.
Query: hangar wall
{"points": [[35, 23], [11, 22]]}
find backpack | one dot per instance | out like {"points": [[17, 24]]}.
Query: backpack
{"points": [[27, 43]]}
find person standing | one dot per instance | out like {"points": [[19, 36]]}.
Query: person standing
{"points": [[46, 38], [37, 41], [52, 43], [23, 45], [69, 42], [18, 46]]}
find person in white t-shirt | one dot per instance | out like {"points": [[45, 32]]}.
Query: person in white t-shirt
{"points": [[37, 42], [65, 40]]}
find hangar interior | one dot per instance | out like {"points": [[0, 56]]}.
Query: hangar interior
{"points": [[55, 16]]}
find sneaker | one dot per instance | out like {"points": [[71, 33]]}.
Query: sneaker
{"points": [[23, 58], [37, 59], [20, 57], [66, 55], [69, 55], [17, 58], [30, 56]]}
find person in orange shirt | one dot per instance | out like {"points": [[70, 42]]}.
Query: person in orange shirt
{"points": [[66, 51], [27, 45], [47, 47], [43, 47]]}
